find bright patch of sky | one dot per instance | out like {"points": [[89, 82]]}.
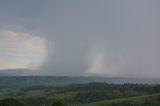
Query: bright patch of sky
{"points": [[21, 50]]}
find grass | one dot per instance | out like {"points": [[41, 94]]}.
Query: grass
{"points": [[108, 102]]}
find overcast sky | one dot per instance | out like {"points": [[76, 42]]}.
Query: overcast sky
{"points": [[81, 37]]}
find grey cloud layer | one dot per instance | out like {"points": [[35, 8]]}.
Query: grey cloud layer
{"points": [[118, 38]]}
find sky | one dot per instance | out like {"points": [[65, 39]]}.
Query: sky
{"points": [[81, 37]]}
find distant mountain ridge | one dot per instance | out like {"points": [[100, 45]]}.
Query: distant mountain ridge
{"points": [[16, 72], [27, 81], [26, 77]]}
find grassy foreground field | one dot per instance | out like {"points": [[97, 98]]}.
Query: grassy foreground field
{"points": [[147, 100], [89, 94]]}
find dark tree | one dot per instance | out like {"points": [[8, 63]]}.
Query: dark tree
{"points": [[58, 103], [11, 102]]}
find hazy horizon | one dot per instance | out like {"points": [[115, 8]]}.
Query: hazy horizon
{"points": [[81, 37]]}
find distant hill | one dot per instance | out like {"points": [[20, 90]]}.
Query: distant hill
{"points": [[15, 72], [27, 81], [25, 77]]}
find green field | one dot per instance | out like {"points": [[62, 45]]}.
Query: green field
{"points": [[153, 99], [89, 94]]}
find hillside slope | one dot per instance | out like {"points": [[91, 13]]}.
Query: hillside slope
{"points": [[147, 100]]}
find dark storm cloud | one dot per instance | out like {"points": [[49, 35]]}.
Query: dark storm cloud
{"points": [[118, 38]]}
